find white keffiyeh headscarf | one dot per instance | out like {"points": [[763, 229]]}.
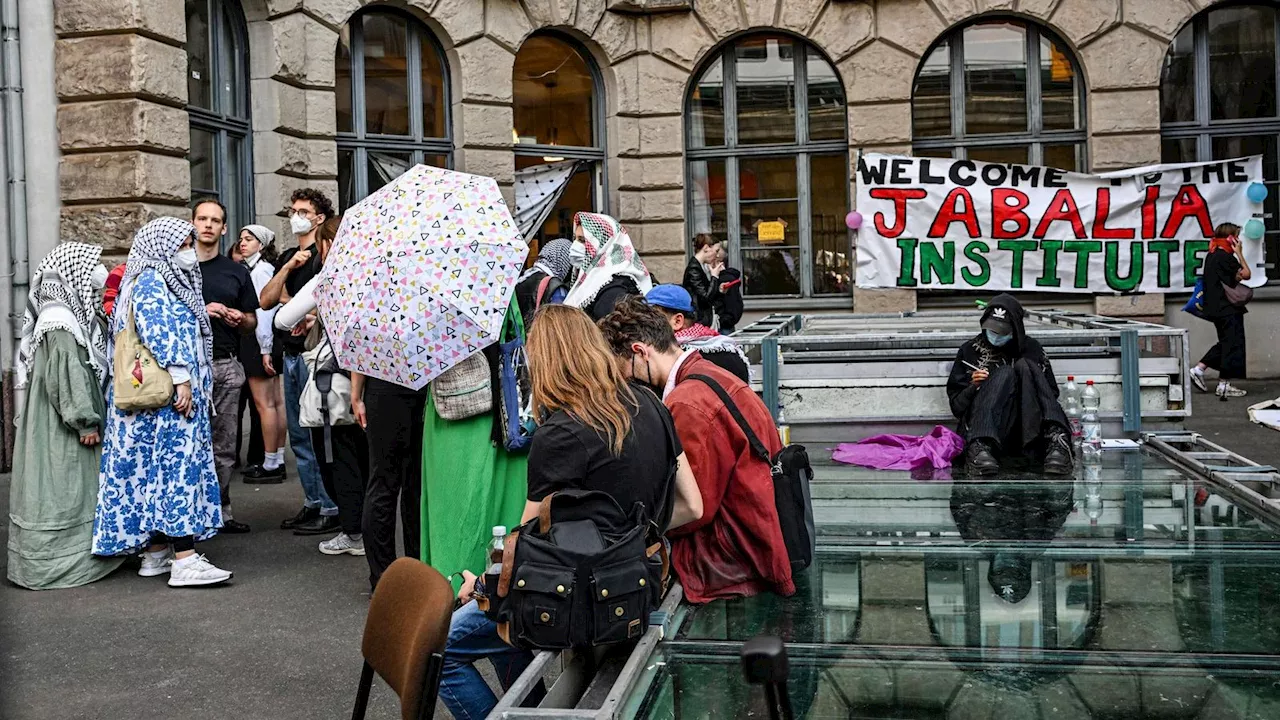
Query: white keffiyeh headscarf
{"points": [[154, 247], [610, 253], [62, 297]]}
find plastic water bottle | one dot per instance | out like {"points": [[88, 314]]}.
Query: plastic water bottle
{"points": [[1093, 493], [1071, 406], [1090, 425], [496, 547], [784, 430], [1071, 389], [1090, 398]]}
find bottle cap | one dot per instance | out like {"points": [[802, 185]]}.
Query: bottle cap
{"points": [[499, 530], [1088, 382], [1071, 377]]}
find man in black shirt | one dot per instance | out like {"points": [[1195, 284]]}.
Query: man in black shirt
{"points": [[230, 301]]}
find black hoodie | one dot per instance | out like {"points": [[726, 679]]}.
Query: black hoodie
{"points": [[981, 354]]}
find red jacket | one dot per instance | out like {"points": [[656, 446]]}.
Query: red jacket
{"points": [[737, 546]]}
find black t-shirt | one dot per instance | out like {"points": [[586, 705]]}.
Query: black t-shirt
{"points": [[292, 284], [567, 454], [1220, 267], [227, 281]]}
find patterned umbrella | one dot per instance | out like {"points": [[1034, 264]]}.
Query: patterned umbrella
{"points": [[420, 275]]}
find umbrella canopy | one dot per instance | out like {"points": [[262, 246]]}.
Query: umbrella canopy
{"points": [[420, 275]]}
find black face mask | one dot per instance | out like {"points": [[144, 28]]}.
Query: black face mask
{"points": [[648, 382]]}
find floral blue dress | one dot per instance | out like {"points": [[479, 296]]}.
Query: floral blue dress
{"points": [[157, 472]]}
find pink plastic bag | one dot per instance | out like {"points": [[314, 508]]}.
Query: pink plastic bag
{"points": [[903, 452]]}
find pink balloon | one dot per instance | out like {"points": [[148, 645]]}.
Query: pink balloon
{"points": [[853, 220]]}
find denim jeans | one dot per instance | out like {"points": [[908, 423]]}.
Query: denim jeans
{"points": [[295, 379], [472, 637]]}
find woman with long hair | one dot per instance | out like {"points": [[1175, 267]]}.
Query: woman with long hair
{"points": [[1224, 267], [597, 432], [257, 248]]}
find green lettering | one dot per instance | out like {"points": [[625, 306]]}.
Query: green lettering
{"points": [[1083, 249], [1017, 247], [976, 252], [944, 264], [1111, 263], [1163, 249], [1192, 258], [907, 262], [1049, 276]]}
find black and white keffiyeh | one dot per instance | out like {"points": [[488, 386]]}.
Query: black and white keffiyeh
{"points": [[62, 297], [553, 260], [154, 246]]}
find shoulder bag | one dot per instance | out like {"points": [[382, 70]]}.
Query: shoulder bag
{"points": [[326, 398], [139, 381], [515, 390], [1239, 296], [464, 390]]}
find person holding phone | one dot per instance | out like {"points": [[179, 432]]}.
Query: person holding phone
{"points": [[1224, 267]]}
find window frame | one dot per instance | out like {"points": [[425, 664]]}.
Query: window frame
{"points": [[1035, 137], [222, 124], [801, 150], [417, 145]]}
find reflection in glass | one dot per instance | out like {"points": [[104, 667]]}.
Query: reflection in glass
{"points": [[931, 98], [766, 90], [826, 99], [1000, 154], [433, 105], [386, 75], [995, 81], [707, 191], [201, 158], [1063, 157], [1058, 94], [229, 92], [706, 108], [199, 68], [553, 88], [767, 192], [1177, 79], [771, 271], [342, 82], [1178, 150], [233, 170], [1242, 62], [829, 234]]}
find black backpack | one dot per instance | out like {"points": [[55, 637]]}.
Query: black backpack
{"points": [[792, 476]]}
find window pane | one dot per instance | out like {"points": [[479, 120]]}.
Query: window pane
{"points": [[828, 175], [1177, 79], [1182, 150], [553, 88], [1003, 154], [1063, 157], [707, 193], [771, 271], [342, 82], [347, 193], [203, 175], [766, 90], [933, 152], [1057, 87], [579, 196], [386, 166], [706, 107], [1225, 148], [230, 90], [1242, 62], [199, 70], [826, 99], [433, 103], [767, 193], [995, 78], [931, 99], [386, 80], [232, 191]]}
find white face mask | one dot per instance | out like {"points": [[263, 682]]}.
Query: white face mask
{"points": [[300, 224], [578, 253], [186, 259], [99, 278]]}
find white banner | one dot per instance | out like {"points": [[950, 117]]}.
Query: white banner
{"points": [[962, 224]]}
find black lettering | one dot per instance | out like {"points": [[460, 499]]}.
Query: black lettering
{"points": [[928, 178], [1025, 175], [963, 180], [898, 175], [871, 174], [1213, 169], [1236, 172], [1054, 178], [994, 175]]}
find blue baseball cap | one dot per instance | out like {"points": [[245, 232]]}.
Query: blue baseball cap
{"points": [[671, 297]]}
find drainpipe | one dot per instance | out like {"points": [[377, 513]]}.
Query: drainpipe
{"points": [[13, 254]]}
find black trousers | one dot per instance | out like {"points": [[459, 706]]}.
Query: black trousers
{"points": [[180, 544], [257, 451], [1014, 406], [344, 475], [395, 458], [1227, 355]]}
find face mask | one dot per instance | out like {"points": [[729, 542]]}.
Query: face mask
{"points": [[99, 278], [186, 259], [578, 253], [300, 224], [997, 340], [648, 381]]}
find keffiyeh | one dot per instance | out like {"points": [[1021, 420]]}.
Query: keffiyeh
{"points": [[703, 339], [62, 297], [154, 247], [553, 260], [610, 253]]}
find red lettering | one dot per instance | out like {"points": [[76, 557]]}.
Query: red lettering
{"points": [[1002, 211], [1100, 229], [899, 196], [1187, 203], [1149, 212], [951, 212], [1062, 208]]}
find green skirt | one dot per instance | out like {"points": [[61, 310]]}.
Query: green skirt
{"points": [[468, 486]]}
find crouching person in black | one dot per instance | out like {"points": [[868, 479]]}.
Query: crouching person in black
{"points": [[1003, 392]]}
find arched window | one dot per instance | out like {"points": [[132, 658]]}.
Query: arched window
{"points": [[768, 165], [1218, 97], [978, 95], [558, 117], [218, 107], [392, 101]]}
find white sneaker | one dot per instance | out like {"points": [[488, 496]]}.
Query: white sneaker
{"points": [[1197, 377], [196, 570], [154, 564], [1227, 390], [343, 544]]}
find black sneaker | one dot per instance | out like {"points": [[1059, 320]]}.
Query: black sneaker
{"points": [[1057, 456], [979, 459], [234, 527], [304, 515], [258, 475], [320, 525]]}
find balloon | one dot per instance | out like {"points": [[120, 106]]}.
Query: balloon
{"points": [[1257, 192], [853, 220], [1254, 229]]}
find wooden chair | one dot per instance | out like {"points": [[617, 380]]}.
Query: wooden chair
{"points": [[404, 637]]}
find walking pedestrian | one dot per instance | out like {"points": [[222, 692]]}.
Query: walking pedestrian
{"points": [[230, 301], [158, 488], [257, 246], [62, 362], [1224, 267]]}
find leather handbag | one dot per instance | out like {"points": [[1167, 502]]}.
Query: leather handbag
{"points": [[138, 380], [1240, 295], [464, 390]]}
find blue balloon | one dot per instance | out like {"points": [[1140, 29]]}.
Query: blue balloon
{"points": [[1257, 192], [1254, 229]]}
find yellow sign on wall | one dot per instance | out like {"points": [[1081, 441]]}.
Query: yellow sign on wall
{"points": [[772, 232]]}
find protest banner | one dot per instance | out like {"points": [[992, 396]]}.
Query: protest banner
{"points": [[967, 225]]}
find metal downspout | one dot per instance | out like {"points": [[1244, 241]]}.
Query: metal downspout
{"points": [[16, 182]]}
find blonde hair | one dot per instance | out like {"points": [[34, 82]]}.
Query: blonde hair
{"points": [[571, 369]]}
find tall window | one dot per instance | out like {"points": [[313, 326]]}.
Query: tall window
{"points": [[1000, 91], [558, 117], [392, 101], [1218, 97], [768, 166], [218, 106]]}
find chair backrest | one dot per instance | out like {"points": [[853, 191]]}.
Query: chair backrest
{"points": [[408, 621]]}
